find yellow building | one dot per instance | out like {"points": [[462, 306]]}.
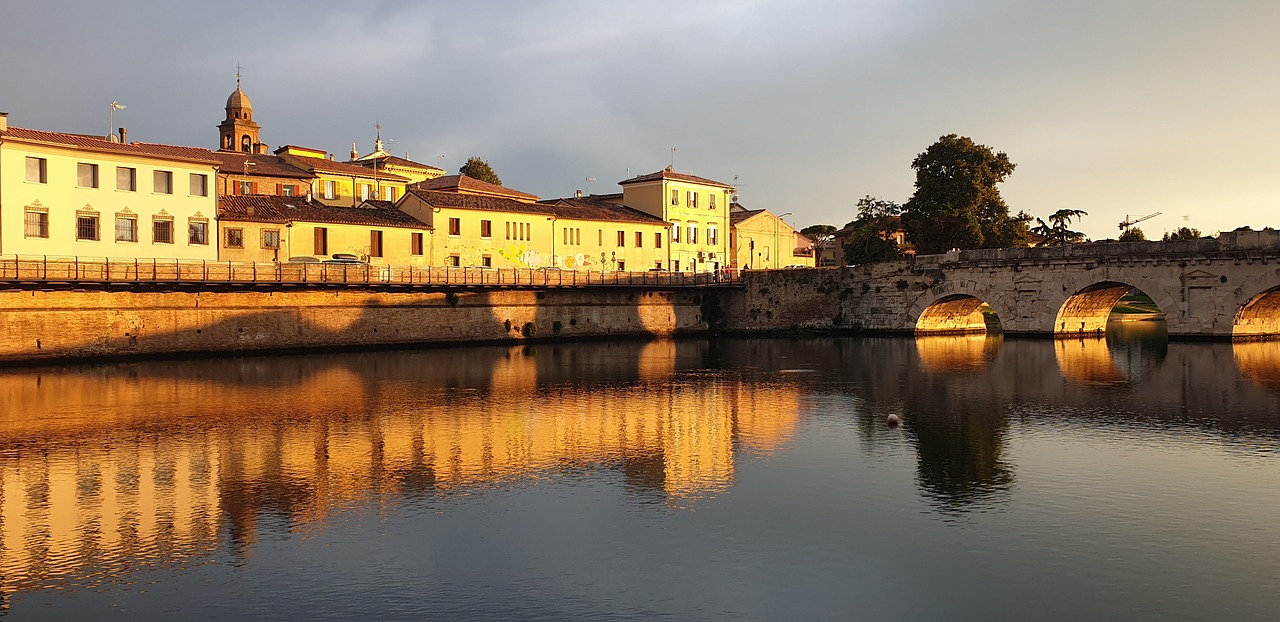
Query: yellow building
{"points": [[386, 163], [763, 241], [275, 228], [696, 207], [479, 224], [340, 184], [75, 195]]}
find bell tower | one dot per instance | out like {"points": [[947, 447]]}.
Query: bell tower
{"points": [[238, 132]]}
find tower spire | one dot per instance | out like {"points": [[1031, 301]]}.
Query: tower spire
{"points": [[237, 76]]}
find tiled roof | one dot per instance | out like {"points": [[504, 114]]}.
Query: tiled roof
{"points": [[736, 217], [669, 174], [262, 208], [81, 141], [260, 165], [561, 209], [329, 166], [390, 160], [457, 183]]}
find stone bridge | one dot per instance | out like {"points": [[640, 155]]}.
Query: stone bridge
{"points": [[1227, 287]]}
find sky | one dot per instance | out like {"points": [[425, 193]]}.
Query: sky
{"points": [[1116, 107]]}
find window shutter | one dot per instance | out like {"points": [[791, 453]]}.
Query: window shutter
{"points": [[279, 189], [255, 187]]}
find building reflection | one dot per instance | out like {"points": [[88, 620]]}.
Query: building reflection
{"points": [[107, 468], [1259, 362]]}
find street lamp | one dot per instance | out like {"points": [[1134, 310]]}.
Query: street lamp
{"points": [[552, 218]]}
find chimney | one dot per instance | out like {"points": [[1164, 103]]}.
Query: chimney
{"points": [[4, 121], [577, 194], [124, 135]]}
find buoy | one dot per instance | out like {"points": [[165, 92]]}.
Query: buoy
{"points": [[893, 420]]}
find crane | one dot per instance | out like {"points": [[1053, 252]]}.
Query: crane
{"points": [[1127, 222]]}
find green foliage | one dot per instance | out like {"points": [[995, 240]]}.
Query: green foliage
{"points": [[477, 168], [813, 232], [1133, 234], [871, 239], [1055, 231], [956, 203], [1183, 233]]}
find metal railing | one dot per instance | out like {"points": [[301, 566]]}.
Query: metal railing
{"points": [[45, 269]]}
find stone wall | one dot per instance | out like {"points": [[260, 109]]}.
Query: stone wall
{"points": [[66, 324]]}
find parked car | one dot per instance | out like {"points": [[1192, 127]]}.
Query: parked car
{"points": [[304, 259], [346, 258]]}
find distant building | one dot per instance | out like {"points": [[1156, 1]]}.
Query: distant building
{"points": [[75, 195], [341, 184], [386, 163]]}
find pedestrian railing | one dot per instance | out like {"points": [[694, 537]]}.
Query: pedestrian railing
{"points": [[41, 269]]}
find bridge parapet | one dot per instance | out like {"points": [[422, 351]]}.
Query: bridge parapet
{"points": [[1225, 243]]}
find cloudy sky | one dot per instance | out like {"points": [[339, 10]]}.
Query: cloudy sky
{"points": [[1115, 107]]}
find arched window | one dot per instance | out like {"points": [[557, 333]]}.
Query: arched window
{"points": [[226, 141], [245, 144]]}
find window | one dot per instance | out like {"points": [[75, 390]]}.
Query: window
{"points": [[622, 238], [389, 193], [126, 178], [286, 190], [675, 197], [162, 231], [234, 238], [657, 239], [198, 232], [330, 189], [693, 233], [693, 199], [86, 175], [126, 228], [455, 261], [87, 228], [455, 227], [639, 239], [162, 182], [375, 243], [622, 265], [657, 265], [675, 232], [37, 224], [246, 187], [711, 201], [415, 243], [486, 261], [37, 170], [675, 266], [508, 230], [270, 238], [322, 241], [486, 228], [365, 189], [199, 185], [711, 235]]}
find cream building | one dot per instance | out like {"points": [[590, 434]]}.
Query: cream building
{"points": [[698, 210], [762, 241], [275, 228], [74, 195], [340, 184]]}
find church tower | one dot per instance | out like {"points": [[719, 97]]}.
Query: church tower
{"points": [[238, 132]]}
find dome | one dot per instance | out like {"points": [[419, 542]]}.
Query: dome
{"points": [[238, 99]]}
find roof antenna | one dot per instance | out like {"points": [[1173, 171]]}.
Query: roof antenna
{"points": [[237, 75], [673, 158]]}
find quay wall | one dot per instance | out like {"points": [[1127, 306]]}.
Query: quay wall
{"points": [[52, 324]]}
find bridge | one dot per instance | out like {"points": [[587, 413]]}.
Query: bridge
{"points": [[1225, 287]]}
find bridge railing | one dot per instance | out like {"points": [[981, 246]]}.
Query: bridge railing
{"points": [[1234, 241], [49, 269]]}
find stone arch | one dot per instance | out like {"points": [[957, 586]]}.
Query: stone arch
{"points": [[956, 309], [1259, 317], [1087, 311]]}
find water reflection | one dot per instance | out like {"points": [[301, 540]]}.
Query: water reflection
{"points": [[106, 468], [1259, 361], [957, 353], [1128, 352]]}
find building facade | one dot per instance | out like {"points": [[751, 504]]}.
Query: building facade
{"points": [[274, 228], [762, 241], [698, 211]]}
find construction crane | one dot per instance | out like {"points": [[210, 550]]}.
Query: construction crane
{"points": [[1128, 222]]}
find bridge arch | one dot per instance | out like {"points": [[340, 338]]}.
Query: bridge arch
{"points": [[1259, 317], [1087, 311], [958, 309]]}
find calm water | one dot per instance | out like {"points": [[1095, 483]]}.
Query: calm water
{"points": [[731, 479]]}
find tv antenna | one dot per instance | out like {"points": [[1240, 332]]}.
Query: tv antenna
{"points": [[1129, 222]]}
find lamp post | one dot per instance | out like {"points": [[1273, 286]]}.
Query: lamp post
{"points": [[777, 238], [552, 218]]}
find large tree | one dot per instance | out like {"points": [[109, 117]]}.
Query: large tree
{"points": [[1055, 231], [1182, 233], [957, 204], [476, 168], [872, 236]]}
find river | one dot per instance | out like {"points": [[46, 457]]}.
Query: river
{"points": [[1128, 478]]}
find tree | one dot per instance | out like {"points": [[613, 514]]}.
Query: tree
{"points": [[1133, 234], [821, 236], [872, 237], [477, 168], [1056, 231], [956, 203], [1183, 233]]}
